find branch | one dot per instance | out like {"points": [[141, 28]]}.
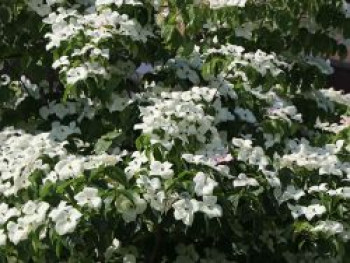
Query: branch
{"points": [[158, 238]]}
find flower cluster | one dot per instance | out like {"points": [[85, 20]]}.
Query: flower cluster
{"points": [[91, 30], [225, 3]]}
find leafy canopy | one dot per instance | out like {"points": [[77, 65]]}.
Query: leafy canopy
{"points": [[173, 131]]}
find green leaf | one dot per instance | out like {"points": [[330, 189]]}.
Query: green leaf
{"points": [[106, 141], [143, 142], [117, 174]]}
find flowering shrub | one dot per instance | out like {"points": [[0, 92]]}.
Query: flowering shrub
{"points": [[173, 131]]}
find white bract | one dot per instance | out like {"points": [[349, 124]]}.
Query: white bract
{"points": [[242, 181], [69, 168], [178, 117], [89, 196], [6, 213], [161, 169], [19, 158], [210, 207], [118, 102], [34, 213], [204, 185], [308, 211], [130, 207], [329, 227], [184, 210], [223, 3], [289, 193], [3, 237], [65, 217], [17, 231], [324, 160]]}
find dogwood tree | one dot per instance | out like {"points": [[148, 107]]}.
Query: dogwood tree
{"points": [[173, 131]]}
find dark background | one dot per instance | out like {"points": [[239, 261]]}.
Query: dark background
{"points": [[340, 80]]}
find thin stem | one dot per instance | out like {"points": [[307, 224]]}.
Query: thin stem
{"points": [[158, 238]]}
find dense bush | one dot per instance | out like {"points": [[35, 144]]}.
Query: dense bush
{"points": [[173, 131]]}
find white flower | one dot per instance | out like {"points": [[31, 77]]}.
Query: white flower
{"points": [[65, 217], [204, 185], [62, 61], [153, 195], [330, 166], [245, 148], [103, 2], [89, 196], [309, 211], [76, 74], [245, 30], [290, 193], [161, 169], [134, 166], [3, 238], [157, 200], [284, 110], [271, 139], [318, 188], [95, 161], [329, 227], [322, 159], [108, 2], [323, 65], [257, 157], [116, 243], [69, 168], [35, 212], [245, 115], [33, 89], [223, 3], [296, 210], [17, 232], [50, 177], [223, 159], [52, 2], [151, 185], [346, 8], [243, 180], [61, 132], [111, 249], [118, 102], [143, 69], [210, 207], [130, 208], [39, 7], [336, 96], [6, 213], [335, 192], [345, 192], [347, 148], [242, 143], [184, 210]]}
